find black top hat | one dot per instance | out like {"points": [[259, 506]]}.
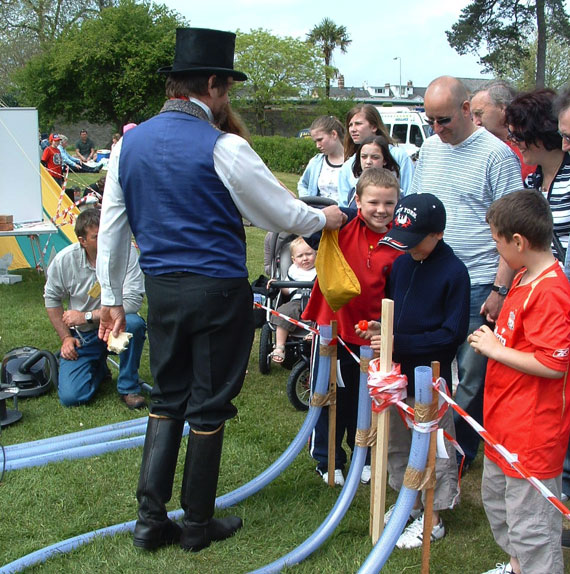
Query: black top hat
{"points": [[203, 50]]}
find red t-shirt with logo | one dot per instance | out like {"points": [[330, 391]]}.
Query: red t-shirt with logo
{"points": [[52, 158], [527, 414]]}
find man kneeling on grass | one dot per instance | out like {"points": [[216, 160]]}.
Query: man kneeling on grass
{"points": [[71, 277]]}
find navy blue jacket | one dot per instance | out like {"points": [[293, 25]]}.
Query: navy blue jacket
{"points": [[431, 310]]}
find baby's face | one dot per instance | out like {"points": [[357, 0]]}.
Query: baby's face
{"points": [[304, 256]]}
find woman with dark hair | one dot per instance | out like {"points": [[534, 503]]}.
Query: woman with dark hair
{"points": [[375, 152], [364, 121], [533, 128]]}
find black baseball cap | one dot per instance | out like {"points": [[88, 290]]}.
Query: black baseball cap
{"points": [[416, 216]]}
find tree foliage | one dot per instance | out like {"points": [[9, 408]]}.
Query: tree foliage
{"points": [[557, 67], [104, 69], [27, 27], [327, 36], [278, 68], [502, 28]]}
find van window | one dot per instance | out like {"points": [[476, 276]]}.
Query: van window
{"points": [[416, 137], [400, 132]]}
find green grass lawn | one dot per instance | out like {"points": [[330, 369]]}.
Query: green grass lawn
{"points": [[41, 506]]}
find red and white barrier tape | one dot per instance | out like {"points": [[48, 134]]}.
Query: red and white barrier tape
{"points": [[511, 458], [386, 394], [304, 326]]}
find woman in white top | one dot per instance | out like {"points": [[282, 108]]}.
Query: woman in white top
{"points": [[321, 174], [364, 121]]}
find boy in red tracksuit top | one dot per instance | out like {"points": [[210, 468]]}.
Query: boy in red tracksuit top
{"points": [[51, 158], [377, 194], [526, 393]]}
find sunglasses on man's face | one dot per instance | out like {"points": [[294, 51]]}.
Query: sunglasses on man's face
{"points": [[439, 121]]}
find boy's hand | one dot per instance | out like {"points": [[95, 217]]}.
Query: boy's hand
{"points": [[483, 341], [373, 329]]}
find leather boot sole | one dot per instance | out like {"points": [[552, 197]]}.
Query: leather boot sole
{"points": [[197, 536]]}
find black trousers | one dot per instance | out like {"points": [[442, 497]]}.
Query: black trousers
{"points": [[200, 332]]}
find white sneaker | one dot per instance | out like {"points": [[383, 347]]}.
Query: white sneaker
{"points": [[501, 569], [338, 477], [412, 537], [366, 474], [415, 513]]}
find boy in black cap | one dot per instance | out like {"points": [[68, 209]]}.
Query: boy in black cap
{"points": [[430, 288]]}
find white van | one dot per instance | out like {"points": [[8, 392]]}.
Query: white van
{"points": [[407, 126]]}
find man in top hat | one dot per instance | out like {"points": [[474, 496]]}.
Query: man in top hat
{"points": [[186, 215]]}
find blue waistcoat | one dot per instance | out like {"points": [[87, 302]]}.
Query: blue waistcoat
{"points": [[182, 216]]}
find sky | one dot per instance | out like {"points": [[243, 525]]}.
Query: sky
{"points": [[411, 30]]}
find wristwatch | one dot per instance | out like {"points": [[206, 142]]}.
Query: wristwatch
{"points": [[500, 289], [89, 317]]}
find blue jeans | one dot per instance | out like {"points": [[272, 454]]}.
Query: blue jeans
{"points": [[79, 379], [472, 368]]}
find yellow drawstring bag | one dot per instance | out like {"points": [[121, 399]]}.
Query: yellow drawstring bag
{"points": [[337, 280]]}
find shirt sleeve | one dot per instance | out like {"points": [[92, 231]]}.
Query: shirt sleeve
{"points": [[114, 236], [258, 196], [54, 290], [133, 287], [548, 328], [505, 175], [406, 167]]}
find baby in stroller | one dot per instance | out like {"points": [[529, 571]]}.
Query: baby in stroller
{"points": [[302, 269]]}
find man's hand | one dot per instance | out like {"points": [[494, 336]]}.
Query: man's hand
{"points": [[72, 318], [483, 341], [492, 306], [335, 217], [68, 348], [112, 320]]}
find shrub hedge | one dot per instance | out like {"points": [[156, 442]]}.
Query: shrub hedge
{"points": [[290, 155]]}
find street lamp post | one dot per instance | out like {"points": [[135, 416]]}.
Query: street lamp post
{"points": [[400, 86]]}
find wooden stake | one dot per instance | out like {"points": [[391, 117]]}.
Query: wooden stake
{"points": [[382, 421], [428, 507], [332, 409]]}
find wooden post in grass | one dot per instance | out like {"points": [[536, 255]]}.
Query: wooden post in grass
{"points": [[430, 466], [381, 422], [332, 407]]}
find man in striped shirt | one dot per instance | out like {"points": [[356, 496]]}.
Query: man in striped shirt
{"points": [[468, 168]]}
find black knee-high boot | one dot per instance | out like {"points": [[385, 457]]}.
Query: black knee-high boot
{"points": [[162, 443], [199, 486]]}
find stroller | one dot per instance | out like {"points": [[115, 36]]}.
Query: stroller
{"points": [[298, 346]]}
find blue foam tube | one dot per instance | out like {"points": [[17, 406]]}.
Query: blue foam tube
{"points": [[16, 448], [84, 451], [346, 496], [321, 386], [92, 438], [407, 497], [298, 443]]}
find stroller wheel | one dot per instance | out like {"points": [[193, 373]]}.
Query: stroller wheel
{"points": [[299, 386], [265, 348]]}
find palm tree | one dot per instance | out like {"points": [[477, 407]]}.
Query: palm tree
{"points": [[328, 36]]}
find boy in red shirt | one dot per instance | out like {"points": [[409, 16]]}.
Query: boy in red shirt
{"points": [[377, 194], [526, 396], [51, 158]]}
